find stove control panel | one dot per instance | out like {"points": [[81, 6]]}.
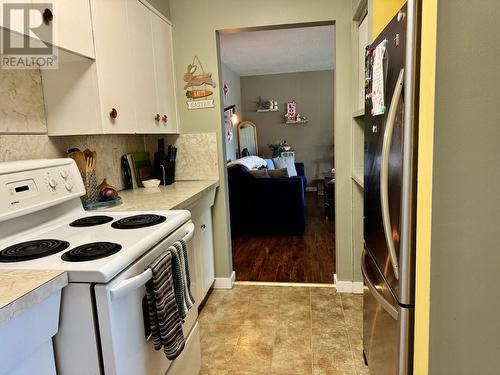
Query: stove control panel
{"points": [[22, 189], [28, 186]]}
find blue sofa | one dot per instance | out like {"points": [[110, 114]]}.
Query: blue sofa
{"points": [[261, 206]]}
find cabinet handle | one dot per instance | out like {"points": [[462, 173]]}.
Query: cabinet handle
{"points": [[113, 113], [164, 119], [203, 226], [48, 16], [157, 117]]}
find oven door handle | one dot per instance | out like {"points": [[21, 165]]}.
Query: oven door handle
{"points": [[126, 286]]}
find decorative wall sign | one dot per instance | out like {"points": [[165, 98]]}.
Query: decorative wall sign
{"points": [[197, 96], [200, 104], [292, 116], [291, 111]]}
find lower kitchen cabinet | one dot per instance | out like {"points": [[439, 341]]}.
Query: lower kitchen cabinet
{"points": [[201, 214]]}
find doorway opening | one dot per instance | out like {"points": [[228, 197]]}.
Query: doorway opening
{"points": [[277, 85]]}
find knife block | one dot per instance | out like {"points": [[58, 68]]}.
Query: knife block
{"points": [[168, 172]]}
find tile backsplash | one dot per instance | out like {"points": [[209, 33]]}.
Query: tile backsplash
{"points": [[21, 102], [196, 155], [23, 135]]}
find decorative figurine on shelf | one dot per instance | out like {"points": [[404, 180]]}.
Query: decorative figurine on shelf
{"points": [[301, 118]]}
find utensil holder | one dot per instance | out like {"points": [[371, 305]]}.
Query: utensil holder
{"points": [[90, 182], [168, 171]]}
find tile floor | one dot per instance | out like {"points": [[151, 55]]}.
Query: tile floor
{"points": [[281, 330]]}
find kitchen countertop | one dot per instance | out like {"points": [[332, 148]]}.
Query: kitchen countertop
{"points": [[178, 196], [21, 289]]}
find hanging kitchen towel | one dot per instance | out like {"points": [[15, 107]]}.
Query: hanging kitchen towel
{"points": [[164, 319], [182, 279]]}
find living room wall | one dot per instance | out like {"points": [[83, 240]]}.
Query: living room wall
{"points": [[313, 93]]}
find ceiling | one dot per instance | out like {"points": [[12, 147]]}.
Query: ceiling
{"points": [[290, 50]]}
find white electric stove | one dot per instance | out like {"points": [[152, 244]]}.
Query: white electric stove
{"points": [[104, 326]]}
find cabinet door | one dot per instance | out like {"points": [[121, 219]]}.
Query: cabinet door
{"points": [[13, 19], [206, 251], [164, 73], [114, 65], [71, 25], [141, 41]]}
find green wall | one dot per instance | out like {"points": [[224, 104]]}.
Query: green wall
{"points": [[464, 316], [163, 6], [195, 26]]}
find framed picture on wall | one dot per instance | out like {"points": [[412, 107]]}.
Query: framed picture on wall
{"points": [[228, 121]]}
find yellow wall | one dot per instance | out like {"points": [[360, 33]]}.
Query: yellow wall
{"points": [[424, 188], [383, 12]]}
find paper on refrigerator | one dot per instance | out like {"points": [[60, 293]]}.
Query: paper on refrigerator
{"points": [[377, 95]]}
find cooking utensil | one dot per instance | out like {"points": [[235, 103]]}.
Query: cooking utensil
{"points": [[79, 158], [89, 164], [94, 158]]}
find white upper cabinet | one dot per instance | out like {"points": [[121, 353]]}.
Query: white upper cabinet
{"points": [[164, 72], [62, 23], [130, 84], [114, 65]]}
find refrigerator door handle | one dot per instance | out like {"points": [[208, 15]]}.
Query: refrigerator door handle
{"points": [[391, 310], [384, 172]]}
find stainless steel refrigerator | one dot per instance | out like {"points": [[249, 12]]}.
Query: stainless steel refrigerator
{"points": [[389, 196]]}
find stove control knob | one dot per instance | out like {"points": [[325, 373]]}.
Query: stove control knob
{"points": [[68, 185], [52, 182], [64, 173]]}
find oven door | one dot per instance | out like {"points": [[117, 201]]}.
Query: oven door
{"points": [[127, 348]]}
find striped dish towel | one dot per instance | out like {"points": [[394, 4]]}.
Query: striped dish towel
{"points": [[164, 319], [182, 279]]}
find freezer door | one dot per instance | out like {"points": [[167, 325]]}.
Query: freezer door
{"points": [[382, 207], [380, 321]]}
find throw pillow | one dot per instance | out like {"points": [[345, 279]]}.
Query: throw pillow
{"points": [[278, 173], [251, 162], [270, 164], [286, 162], [259, 173]]}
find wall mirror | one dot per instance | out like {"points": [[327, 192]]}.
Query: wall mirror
{"points": [[247, 138]]}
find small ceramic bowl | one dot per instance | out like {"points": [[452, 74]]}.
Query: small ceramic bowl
{"points": [[151, 183]]}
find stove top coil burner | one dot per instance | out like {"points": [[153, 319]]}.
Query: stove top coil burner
{"points": [[32, 250], [91, 251], [138, 221], [91, 221]]}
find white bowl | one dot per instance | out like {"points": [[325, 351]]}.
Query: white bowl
{"points": [[151, 183]]}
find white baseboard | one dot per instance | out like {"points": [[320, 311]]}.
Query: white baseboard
{"points": [[353, 287], [357, 287], [225, 282], [284, 284]]}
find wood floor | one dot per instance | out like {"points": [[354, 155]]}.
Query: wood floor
{"points": [[301, 259]]}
